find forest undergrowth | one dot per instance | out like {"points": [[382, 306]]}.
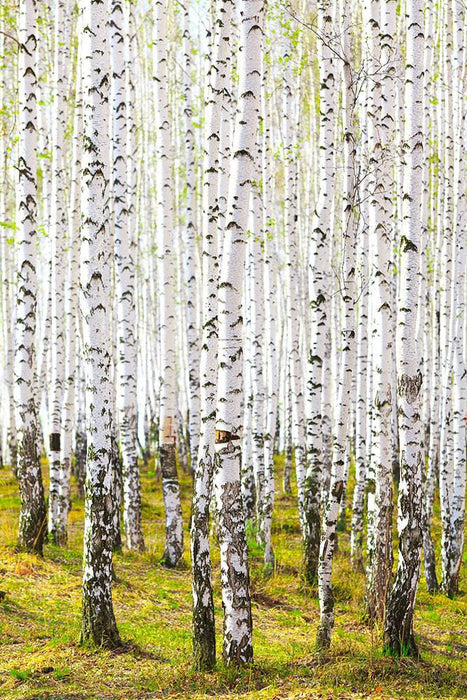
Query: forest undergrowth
{"points": [[40, 620]]}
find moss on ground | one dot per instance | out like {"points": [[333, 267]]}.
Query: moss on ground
{"points": [[40, 618]]}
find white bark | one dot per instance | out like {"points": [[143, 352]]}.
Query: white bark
{"points": [[381, 121], [203, 607], [32, 520], [398, 628], [340, 455], [98, 623], [453, 468], [71, 326], [191, 266], [166, 275], [361, 411], [59, 231], [318, 382], [234, 564], [123, 181], [270, 340]]}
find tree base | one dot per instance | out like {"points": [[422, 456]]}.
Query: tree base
{"points": [[172, 506], [449, 587], [204, 641], [102, 633], [60, 538], [269, 561], [432, 585], [397, 647], [139, 547], [238, 654], [169, 561], [357, 564], [31, 539], [323, 640]]}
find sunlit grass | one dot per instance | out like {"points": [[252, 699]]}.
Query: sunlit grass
{"points": [[40, 619]]}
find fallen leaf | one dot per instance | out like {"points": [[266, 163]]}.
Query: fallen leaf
{"points": [[23, 569]]}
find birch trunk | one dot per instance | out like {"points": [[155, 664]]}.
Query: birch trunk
{"points": [[271, 309], [98, 621], [340, 442], [125, 252], [165, 202], [379, 539], [238, 646], [431, 339], [204, 643], [59, 234], [453, 471], [191, 270], [33, 516], [398, 627], [321, 241], [71, 329], [361, 412]]}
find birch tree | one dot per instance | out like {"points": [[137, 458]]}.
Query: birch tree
{"points": [[398, 626], [98, 621], [69, 415], [347, 348], [271, 307], [453, 469], [203, 607], [125, 252], [191, 254], [318, 293], [59, 234], [232, 539], [32, 520], [379, 538], [165, 203]]}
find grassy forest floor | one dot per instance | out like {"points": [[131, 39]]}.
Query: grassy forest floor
{"points": [[40, 619]]}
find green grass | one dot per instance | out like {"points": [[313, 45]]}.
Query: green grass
{"points": [[40, 619]]}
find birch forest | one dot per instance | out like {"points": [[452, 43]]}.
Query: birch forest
{"points": [[233, 348]]}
